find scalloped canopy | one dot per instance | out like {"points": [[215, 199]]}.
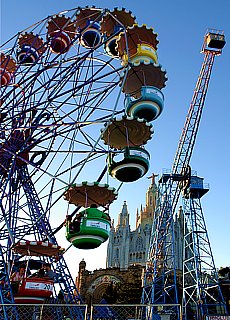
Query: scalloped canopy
{"points": [[7, 62], [143, 74], [87, 14], [87, 193], [32, 40], [117, 17], [63, 23], [136, 35], [127, 131], [37, 248]]}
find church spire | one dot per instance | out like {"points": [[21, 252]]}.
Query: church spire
{"points": [[146, 215], [112, 224], [151, 195], [137, 218], [123, 217]]}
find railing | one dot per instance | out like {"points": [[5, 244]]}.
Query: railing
{"points": [[43, 312], [83, 312], [135, 312]]}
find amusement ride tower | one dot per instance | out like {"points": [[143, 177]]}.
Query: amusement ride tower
{"points": [[201, 290]]}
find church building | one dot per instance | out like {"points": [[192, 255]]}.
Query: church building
{"points": [[127, 247]]}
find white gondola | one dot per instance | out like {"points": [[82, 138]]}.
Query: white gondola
{"points": [[133, 165]]}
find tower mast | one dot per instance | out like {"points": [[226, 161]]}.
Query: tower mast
{"points": [[160, 282], [202, 294]]}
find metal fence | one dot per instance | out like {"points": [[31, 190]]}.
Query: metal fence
{"points": [[43, 312], [135, 312], [218, 318], [83, 312], [95, 312]]}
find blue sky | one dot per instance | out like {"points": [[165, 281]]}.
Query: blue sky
{"points": [[181, 26]]}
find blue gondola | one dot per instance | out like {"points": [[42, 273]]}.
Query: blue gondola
{"points": [[27, 54], [30, 48], [148, 106], [91, 36]]}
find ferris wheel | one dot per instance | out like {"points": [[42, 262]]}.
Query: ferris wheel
{"points": [[78, 93]]}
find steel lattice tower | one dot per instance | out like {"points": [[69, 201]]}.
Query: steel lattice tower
{"points": [[160, 282], [202, 295]]}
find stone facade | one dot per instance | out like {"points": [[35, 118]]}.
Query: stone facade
{"points": [[127, 247], [93, 284]]}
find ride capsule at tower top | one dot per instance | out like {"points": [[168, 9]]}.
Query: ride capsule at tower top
{"points": [[143, 79]]}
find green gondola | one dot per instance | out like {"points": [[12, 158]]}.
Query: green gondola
{"points": [[89, 230], [133, 165]]}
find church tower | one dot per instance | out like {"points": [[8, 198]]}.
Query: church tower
{"points": [[126, 247], [146, 215], [118, 247]]}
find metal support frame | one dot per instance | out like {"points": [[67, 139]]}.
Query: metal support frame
{"points": [[167, 209], [161, 268], [40, 227], [202, 295]]}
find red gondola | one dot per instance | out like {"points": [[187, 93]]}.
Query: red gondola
{"points": [[35, 289]]}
